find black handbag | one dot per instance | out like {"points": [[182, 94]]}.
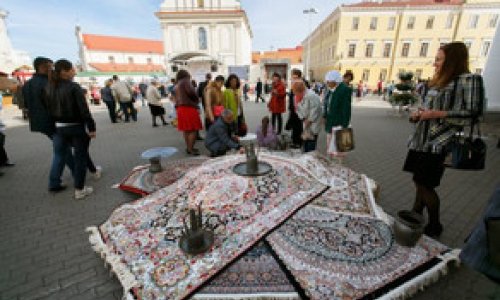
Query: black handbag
{"points": [[467, 153]]}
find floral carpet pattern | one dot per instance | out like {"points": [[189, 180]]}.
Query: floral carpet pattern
{"points": [[325, 238], [255, 272], [336, 256], [240, 211], [141, 181]]}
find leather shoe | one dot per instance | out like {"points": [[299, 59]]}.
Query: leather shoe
{"points": [[57, 189]]}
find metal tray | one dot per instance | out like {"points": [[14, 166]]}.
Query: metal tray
{"points": [[262, 169]]}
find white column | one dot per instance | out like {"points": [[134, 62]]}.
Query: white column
{"points": [[237, 42], [212, 34], [492, 73]]}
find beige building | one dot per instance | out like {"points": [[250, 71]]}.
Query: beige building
{"points": [[377, 40]]}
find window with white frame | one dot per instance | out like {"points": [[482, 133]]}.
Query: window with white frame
{"points": [[149, 60], [430, 22], [493, 21], [392, 23], [449, 21], [373, 23], [335, 26], [130, 60], [424, 47], [369, 50], [473, 20], [418, 73], [111, 59], [411, 22], [366, 75], [405, 50], [202, 38], [355, 23], [486, 48], [352, 50], [383, 74], [387, 49]]}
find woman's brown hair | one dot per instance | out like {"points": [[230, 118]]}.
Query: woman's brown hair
{"points": [[456, 63]]}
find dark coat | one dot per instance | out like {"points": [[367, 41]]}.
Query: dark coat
{"points": [[338, 107], [219, 139], [34, 91], [258, 87]]}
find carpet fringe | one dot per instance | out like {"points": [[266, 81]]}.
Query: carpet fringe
{"points": [[126, 278], [261, 296], [425, 279]]}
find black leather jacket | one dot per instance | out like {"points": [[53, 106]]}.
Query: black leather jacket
{"points": [[66, 103]]}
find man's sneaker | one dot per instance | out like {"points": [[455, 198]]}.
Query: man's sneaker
{"points": [[57, 189], [98, 173], [80, 194]]}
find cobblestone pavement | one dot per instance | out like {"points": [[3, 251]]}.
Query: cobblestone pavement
{"points": [[44, 250]]}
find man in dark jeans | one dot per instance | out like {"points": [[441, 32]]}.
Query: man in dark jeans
{"points": [[109, 100], [258, 91], [40, 120]]}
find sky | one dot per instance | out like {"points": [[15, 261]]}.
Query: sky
{"points": [[47, 28]]}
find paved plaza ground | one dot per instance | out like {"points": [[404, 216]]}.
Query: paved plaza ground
{"points": [[44, 249]]}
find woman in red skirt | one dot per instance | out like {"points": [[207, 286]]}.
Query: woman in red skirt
{"points": [[188, 119]]}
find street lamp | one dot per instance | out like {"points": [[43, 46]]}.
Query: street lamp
{"points": [[309, 12]]}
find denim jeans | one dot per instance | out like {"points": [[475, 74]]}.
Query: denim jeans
{"points": [[310, 145], [58, 163], [66, 138], [112, 110], [125, 106]]}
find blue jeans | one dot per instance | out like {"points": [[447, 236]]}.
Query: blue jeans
{"points": [[58, 163], [66, 138], [310, 145]]}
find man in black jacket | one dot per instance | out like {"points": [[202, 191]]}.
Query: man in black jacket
{"points": [[39, 118], [258, 91], [220, 137]]}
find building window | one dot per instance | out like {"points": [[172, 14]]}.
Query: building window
{"points": [[352, 50], [366, 75], [486, 48], [473, 19], [418, 74], [333, 51], [479, 71], [373, 23], [423, 49], [387, 50], [369, 50], [449, 21], [430, 22], [130, 60], [111, 59], [335, 26], [383, 75], [202, 38], [493, 21], [150, 61], [392, 22], [411, 22], [201, 3], [405, 50], [355, 23]]}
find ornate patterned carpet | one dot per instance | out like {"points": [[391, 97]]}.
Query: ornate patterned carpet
{"points": [[323, 237], [141, 181]]}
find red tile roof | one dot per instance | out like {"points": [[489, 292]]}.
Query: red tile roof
{"points": [[122, 44], [294, 54], [114, 67], [384, 4]]}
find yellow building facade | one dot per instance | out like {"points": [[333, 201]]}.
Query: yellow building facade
{"points": [[378, 40]]}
